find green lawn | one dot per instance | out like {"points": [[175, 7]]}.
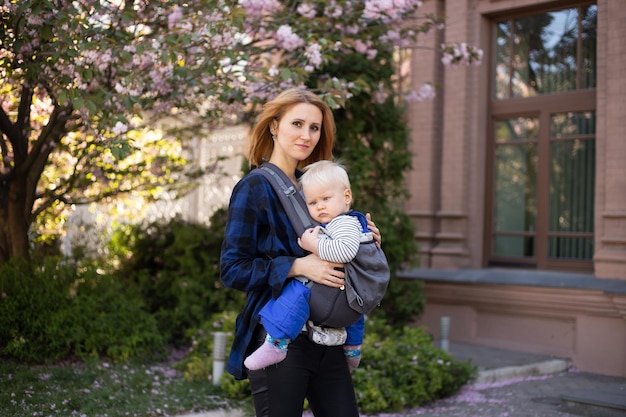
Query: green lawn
{"points": [[102, 389]]}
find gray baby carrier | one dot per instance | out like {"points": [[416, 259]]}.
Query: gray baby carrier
{"points": [[367, 275]]}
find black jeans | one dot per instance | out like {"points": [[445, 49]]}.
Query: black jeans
{"points": [[318, 373]]}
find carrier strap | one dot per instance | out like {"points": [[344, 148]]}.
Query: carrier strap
{"points": [[291, 199]]}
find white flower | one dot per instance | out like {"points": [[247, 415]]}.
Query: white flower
{"points": [[273, 71], [119, 128]]}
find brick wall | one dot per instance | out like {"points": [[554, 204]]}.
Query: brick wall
{"points": [[447, 184]]}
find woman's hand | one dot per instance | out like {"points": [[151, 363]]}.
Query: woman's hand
{"points": [[319, 271], [375, 232]]}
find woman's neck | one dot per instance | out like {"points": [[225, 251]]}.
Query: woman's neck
{"points": [[288, 167]]}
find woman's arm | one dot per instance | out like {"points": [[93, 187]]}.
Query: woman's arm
{"points": [[256, 251]]}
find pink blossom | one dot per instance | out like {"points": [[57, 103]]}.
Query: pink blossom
{"points": [[314, 54], [391, 35], [35, 20], [307, 10], [174, 17], [388, 10], [288, 40], [351, 29], [333, 10], [257, 8], [360, 46], [426, 92], [380, 96], [459, 54]]}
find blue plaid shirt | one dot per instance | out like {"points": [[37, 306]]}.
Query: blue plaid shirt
{"points": [[260, 245]]}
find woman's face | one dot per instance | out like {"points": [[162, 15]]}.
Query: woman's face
{"points": [[297, 133]]}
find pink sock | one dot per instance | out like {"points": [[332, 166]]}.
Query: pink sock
{"points": [[270, 352]]}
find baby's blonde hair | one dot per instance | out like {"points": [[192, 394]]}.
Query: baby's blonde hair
{"points": [[325, 173]]}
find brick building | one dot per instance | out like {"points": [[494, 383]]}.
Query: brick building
{"points": [[518, 187]]}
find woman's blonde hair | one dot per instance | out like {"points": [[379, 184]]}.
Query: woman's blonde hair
{"points": [[261, 142]]}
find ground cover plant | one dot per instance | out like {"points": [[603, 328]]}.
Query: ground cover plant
{"points": [[400, 368], [101, 388]]}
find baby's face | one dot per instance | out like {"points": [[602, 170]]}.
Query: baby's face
{"points": [[327, 202]]}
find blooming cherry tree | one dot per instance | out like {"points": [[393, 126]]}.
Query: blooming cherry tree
{"points": [[82, 80]]}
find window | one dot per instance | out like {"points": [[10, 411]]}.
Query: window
{"points": [[542, 158], [547, 53]]}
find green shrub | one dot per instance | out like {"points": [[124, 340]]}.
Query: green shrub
{"points": [[114, 322], [175, 266], [34, 310], [403, 302], [53, 310], [401, 368], [198, 363]]}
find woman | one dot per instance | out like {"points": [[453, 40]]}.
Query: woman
{"points": [[260, 254]]}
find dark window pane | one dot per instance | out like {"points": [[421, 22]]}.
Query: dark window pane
{"points": [[571, 248], [572, 185], [516, 178], [514, 246]]}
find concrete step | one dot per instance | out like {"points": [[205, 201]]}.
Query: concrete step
{"points": [[496, 365], [547, 367], [594, 403]]}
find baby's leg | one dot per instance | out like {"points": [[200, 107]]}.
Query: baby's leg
{"points": [[283, 318], [269, 353]]}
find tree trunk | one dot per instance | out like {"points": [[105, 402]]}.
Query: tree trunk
{"points": [[4, 225], [13, 221]]}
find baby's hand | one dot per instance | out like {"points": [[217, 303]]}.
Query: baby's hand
{"points": [[309, 239]]}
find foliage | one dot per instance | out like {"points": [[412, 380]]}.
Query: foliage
{"points": [[84, 84], [103, 389], [199, 359], [175, 266], [197, 364], [400, 368], [51, 311]]}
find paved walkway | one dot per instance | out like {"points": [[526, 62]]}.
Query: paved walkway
{"points": [[517, 384]]}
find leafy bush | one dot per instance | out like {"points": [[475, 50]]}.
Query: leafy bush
{"points": [[400, 368], [53, 310], [403, 302], [175, 265], [198, 363]]}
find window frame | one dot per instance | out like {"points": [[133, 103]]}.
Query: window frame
{"points": [[541, 107]]}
